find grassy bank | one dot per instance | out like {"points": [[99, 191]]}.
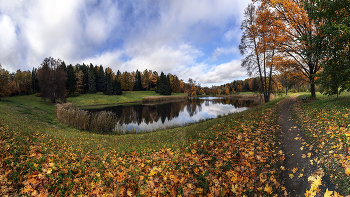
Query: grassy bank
{"points": [[101, 99], [326, 124], [233, 155]]}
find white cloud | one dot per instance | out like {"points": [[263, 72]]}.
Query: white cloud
{"points": [[223, 51], [167, 36]]}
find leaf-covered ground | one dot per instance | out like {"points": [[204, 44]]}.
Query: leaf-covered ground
{"points": [[232, 156], [326, 123]]}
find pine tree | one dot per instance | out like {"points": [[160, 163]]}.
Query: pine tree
{"points": [[101, 79], [92, 80], [71, 80], [109, 84], [137, 85], [117, 88]]}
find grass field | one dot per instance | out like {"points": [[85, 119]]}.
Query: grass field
{"points": [[233, 155], [101, 99], [326, 123]]}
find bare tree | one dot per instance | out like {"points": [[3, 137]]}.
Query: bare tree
{"points": [[52, 80]]}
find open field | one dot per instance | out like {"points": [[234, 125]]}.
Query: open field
{"points": [[101, 99], [233, 155]]}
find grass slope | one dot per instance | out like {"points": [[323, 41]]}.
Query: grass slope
{"points": [[326, 123], [232, 155], [101, 99]]}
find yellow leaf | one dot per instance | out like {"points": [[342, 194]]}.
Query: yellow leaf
{"points": [[282, 168], [295, 170], [347, 170], [49, 170], [268, 188], [300, 175], [309, 155], [291, 176], [328, 193]]}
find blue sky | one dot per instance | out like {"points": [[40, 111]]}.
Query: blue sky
{"points": [[195, 39]]}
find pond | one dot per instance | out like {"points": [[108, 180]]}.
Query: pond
{"points": [[153, 116]]}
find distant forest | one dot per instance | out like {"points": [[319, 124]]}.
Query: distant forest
{"points": [[56, 80]]}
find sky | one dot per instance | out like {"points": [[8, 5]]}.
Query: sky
{"points": [[195, 39]]}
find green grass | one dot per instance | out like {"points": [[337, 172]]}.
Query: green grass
{"points": [[326, 125], [101, 99]]}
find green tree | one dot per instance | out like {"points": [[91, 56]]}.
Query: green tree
{"points": [[92, 80], [332, 20], [138, 82], [71, 80], [109, 83], [100, 79], [117, 88]]}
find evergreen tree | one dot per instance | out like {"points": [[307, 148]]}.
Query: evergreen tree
{"points": [[117, 87], [163, 86], [35, 82], [101, 79], [109, 85], [71, 80], [137, 85], [92, 79]]}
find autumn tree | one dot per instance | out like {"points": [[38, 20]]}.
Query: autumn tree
{"points": [[52, 79], [258, 45], [296, 40], [4, 83], [79, 78], [145, 79]]}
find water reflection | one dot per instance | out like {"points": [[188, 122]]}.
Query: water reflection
{"points": [[147, 117]]}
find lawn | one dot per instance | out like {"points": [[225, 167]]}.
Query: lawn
{"points": [[326, 123], [101, 99]]}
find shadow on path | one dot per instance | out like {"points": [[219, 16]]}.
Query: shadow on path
{"points": [[299, 160]]}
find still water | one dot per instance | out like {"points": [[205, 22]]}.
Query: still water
{"points": [[149, 117]]}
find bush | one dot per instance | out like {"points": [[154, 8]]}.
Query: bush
{"points": [[38, 94]]}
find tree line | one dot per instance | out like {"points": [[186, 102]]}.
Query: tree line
{"points": [[308, 39], [56, 80]]}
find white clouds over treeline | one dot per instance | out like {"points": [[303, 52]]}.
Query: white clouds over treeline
{"points": [[186, 38]]}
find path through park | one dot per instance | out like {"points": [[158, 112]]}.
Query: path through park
{"points": [[299, 161]]}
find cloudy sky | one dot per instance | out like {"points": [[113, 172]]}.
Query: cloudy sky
{"points": [[195, 39]]}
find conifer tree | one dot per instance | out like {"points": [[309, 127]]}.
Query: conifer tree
{"points": [[71, 80], [92, 79]]}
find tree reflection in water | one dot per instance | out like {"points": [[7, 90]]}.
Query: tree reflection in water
{"points": [[147, 117]]}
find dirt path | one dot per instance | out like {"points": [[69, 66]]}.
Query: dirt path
{"points": [[299, 160]]}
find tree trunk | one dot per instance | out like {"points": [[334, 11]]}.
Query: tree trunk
{"points": [[313, 90]]}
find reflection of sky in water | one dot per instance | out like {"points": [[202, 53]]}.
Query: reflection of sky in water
{"points": [[204, 112]]}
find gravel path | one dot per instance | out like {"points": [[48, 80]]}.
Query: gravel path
{"points": [[299, 160]]}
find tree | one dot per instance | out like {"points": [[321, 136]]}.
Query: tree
{"points": [[71, 80], [109, 83], [332, 20], [4, 83], [52, 80], [297, 37], [163, 85], [117, 88], [92, 80], [35, 82], [100, 79], [258, 45], [138, 81], [145, 78], [79, 78]]}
